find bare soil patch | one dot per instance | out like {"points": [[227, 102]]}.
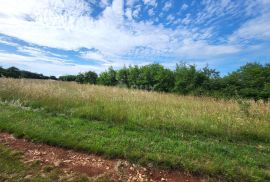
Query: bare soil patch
{"points": [[91, 165]]}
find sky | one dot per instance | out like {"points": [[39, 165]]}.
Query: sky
{"points": [[59, 37]]}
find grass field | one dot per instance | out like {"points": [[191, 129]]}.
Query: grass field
{"points": [[227, 140]]}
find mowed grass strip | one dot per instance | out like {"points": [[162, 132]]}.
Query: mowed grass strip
{"points": [[219, 159]]}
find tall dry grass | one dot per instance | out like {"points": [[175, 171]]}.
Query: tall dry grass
{"points": [[202, 115]]}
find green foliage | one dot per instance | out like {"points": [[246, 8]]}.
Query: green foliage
{"points": [[2, 71], [185, 78], [134, 76], [189, 80], [250, 81], [14, 72], [156, 77], [108, 77], [68, 78], [122, 76], [87, 77]]}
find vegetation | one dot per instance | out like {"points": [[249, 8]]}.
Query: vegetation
{"points": [[224, 139], [14, 72], [13, 169], [251, 81]]}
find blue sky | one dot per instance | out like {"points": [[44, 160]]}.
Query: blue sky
{"points": [[57, 37]]}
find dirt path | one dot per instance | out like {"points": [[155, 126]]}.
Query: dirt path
{"points": [[91, 165]]}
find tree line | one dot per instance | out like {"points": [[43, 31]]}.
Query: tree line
{"points": [[14, 72], [250, 81]]}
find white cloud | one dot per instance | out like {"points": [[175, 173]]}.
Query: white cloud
{"points": [[150, 2], [72, 29], [151, 12], [130, 3], [136, 11], [214, 10], [184, 7], [187, 19], [66, 24], [167, 6], [45, 65], [170, 18], [258, 28], [94, 56], [128, 14], [6, 42], [104, 3], [202, 49]]}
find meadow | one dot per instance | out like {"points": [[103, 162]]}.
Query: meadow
{"points": [[226, 140]]}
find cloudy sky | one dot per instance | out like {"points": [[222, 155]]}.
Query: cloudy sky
{"points": [[58, 37]]}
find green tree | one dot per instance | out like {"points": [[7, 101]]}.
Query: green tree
{"points": [[134, 75], [156, 77], [108, 77], [80, 78], [185, 78], [250, 81], [68, 78], [2, 71], [13, 72], [90, 77], [122, 76]]}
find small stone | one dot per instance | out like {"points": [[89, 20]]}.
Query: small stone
{"points": [[57, 163], [163, 179], [28, 176], [67, 161]]}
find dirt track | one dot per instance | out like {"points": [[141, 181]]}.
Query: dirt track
{"points": [[91, 165]]}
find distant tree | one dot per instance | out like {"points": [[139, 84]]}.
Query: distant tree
{"points": [[250, 81], [207, 81], [80, 78], [185, 78], [122, 76], [156, 77], [2, 72], [13, 72], [134, 75], [108, 77], [87, 77], [68, 78], [52, 78], [164, 80], [90, 77]]}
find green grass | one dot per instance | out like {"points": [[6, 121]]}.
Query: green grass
{"points": [[228, 160], [205, 136], [149, 109]]}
